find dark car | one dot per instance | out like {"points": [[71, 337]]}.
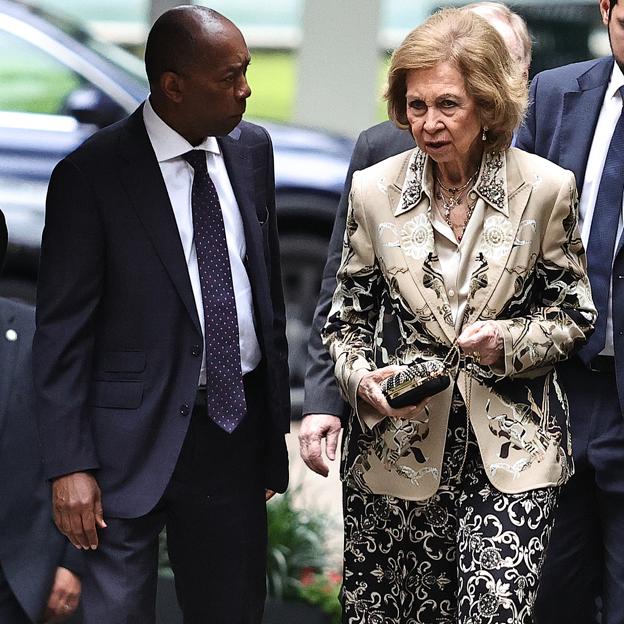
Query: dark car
{"points": [[58, 85]]}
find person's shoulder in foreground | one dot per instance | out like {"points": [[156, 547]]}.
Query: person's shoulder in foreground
{"points": [[38, 564]]}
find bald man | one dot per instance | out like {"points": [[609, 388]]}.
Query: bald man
{"points": [[323, 407], [160, 352]]}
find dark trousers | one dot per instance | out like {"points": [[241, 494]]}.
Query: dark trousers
{"points": [[215, 515], [585, 558], [11, 611]]}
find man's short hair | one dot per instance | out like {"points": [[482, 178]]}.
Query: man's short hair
{"points": [[172, 41]]}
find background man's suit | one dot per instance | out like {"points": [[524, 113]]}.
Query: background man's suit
{"points": [[321, 392], [587, 546], [118, 345], [31, 548]]}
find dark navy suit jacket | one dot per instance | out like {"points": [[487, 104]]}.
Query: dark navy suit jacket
{"points": [[563, 112], [31, 548], [118, 344]]}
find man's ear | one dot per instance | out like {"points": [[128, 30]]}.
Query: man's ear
{"points": [[172, 86], [605, 6]]}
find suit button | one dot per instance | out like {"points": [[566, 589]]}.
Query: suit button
{"points": [[184, 409], [197, 351]]}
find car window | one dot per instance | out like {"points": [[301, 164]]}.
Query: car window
{"points": [[32, 80]]}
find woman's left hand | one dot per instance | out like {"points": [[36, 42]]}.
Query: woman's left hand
{"points": [[483, 341]]}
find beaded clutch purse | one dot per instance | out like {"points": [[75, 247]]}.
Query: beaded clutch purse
{"points": [[417, 382]]}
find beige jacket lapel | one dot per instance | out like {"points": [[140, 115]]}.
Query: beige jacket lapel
{"points": [[410, 206], [506, 194]]}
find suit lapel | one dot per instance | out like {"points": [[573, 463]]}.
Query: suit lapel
{"points": [[580, 113], [506, 195], [240, 170], [148, 194], [411, 210], [8, 356]]}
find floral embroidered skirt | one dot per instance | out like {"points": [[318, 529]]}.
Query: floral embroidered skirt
{"points": [[468, 555]]}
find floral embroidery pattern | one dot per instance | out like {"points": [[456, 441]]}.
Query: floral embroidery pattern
{"points": [[491, 184], [413, 182], [497, 237], [417, 237]]}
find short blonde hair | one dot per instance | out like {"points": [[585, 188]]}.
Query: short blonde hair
{"points": [[479, 53]]}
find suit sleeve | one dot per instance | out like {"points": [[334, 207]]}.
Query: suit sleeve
{"points": [[68, 294], [322, 395], [350, 327], [525, 139], [565, 313]]}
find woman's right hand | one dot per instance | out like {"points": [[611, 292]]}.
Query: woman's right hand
{"points": [[369, 390]]}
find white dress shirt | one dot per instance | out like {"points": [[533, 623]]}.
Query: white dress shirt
{"points": [[169, 147], [609, 115]]}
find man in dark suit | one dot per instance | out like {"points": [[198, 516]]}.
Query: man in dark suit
{"points": [[323, 406], [160, 351], [38, 567], [576, 120]]}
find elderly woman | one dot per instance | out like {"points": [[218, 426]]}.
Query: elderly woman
{"points": [[472, 246]]}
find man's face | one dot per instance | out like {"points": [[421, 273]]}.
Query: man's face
{"points": [[214, 87], [615, 26]]}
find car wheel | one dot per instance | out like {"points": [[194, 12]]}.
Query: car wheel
{"points": [[303, 259]]}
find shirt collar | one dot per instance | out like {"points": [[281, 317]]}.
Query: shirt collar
{"points": [[491, 184], [167, 143], [616, 82]]}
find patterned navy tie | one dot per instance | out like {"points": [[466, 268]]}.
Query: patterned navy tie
{"points": [[224, 379], [602, 236]]}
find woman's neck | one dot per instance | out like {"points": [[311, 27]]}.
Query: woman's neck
{"points": [[457, 173]]}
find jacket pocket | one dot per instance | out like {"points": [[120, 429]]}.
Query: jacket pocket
{"points": [[116, 394]]}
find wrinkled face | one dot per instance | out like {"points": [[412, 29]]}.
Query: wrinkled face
{"points": [[442, 116], [615, 26], [214, 87]]}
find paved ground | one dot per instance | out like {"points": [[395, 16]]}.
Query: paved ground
{"points": [[313, 491]]}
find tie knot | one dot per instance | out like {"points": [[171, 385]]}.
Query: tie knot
{"points": [[197, 160]]}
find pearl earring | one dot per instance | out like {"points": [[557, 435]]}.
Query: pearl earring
{"points": [[483, 135]]}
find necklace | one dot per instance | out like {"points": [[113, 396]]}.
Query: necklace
{"points": [[451, 202], [453, 190]]}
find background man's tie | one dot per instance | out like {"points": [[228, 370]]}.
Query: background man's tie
{"points": [[224, 379], [602, 236]]}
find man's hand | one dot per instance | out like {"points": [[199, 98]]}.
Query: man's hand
{"points": [[64, 597], [483, 341], [315, 427], [370, 391], [77, 508]]}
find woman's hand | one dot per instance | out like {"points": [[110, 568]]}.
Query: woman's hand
{"points": [[370, 391], [482, 341]]}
